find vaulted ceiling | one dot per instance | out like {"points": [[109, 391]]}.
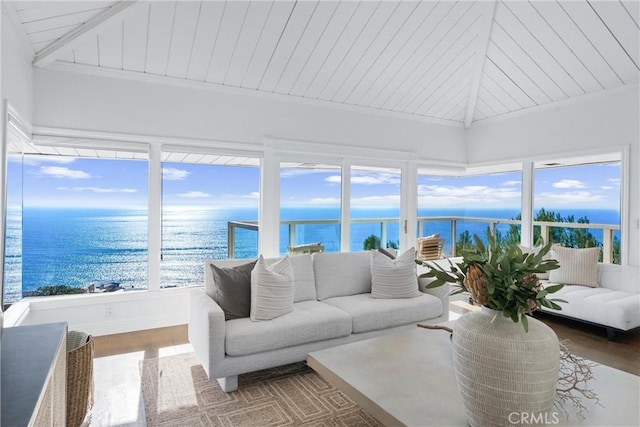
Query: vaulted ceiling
{"points": [[452, 61]]}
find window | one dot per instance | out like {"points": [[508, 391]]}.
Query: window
{"points": [[84, 223], [209, 211], [459, 207], [309, 206], [375, 208], [579, 194]]}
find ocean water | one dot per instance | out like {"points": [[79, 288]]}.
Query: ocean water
{"points": [[78, 247]]}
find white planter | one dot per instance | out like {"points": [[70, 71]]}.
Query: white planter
{"points": [[505, 375]]}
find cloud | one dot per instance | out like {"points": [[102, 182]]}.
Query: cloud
{"points": [[173, 174], [255, 195], [615, 181], [324, 201], [293, 172], [62, 172], [99, 189], [194, 195], [41, 159], [568, 198], [513, 182], [467, 195], [606, 187], [568, 183], [368, 179]]}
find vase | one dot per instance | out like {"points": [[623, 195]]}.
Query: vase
{"points": [[506, 376]]}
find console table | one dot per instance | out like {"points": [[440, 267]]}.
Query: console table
{"points": [[34, 375]]}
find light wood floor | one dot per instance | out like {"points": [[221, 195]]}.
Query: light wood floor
{"points": [[118, 399]]}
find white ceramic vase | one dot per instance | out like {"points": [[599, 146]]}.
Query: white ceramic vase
{"points": [[506, 376]]}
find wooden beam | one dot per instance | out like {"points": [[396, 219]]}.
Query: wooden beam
{"points": [[80, 34], [482, 44]]}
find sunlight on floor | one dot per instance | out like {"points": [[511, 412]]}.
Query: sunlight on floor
{"points": [[118, 397]]}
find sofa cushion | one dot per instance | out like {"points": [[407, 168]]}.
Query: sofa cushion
{"points": [[310, 321], [304, 282], [618, 309], [342, 273], [371, 314], [394, 278], [577, 266], [271, 289]]}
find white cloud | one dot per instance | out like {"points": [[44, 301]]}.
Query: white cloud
{"points": [[320, 201], [41, 159], [99, 189], [367, 179], [615, 181], [63, 172], [194, 195], [293, 172], [569, 198], [468, 195], [568, 183], [376, 201], [253, 196], [606, 187], [511, 183], [173, 174]]}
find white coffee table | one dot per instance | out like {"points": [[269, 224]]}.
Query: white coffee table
{"points": [[407, 378]]}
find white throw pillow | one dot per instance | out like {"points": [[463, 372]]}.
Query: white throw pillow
{"points": [[394, 278], [577, 266], [271, 289]]}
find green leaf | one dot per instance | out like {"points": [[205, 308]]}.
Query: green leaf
{"points": [[553, 288], [525, 322]]}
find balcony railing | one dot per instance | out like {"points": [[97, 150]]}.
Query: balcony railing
{"points": [[545, 227]]}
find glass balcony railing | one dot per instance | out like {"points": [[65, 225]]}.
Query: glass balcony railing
{"points": [[449, 228]]}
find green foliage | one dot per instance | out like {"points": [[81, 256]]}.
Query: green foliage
{"points": [[44, 291], [511, 284], [567, 237], [373, 242]]}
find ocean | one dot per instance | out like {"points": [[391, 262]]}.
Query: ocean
{"points": [[78, 247]]}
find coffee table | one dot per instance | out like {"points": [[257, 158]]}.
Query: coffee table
{"points": [[406, 378]]}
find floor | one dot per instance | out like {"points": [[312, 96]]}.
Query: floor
{"points": [[118, 401]]}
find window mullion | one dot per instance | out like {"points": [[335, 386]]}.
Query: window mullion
{"points": [[154, 216]]}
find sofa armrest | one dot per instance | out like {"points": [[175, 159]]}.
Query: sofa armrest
{"points": [[206, 330], [441, 292]]}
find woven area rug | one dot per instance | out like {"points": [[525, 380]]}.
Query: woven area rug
{"points": [[176, 392]]}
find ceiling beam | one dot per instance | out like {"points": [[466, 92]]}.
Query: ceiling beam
{"points": [[482, 44], [80, 34]]}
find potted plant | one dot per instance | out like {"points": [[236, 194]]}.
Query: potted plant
{"points": [[502, 367], [502, 279]]}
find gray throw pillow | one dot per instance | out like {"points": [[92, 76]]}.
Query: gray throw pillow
{"points": [[233, 290]]}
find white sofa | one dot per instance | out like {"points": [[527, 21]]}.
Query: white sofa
{"points": [[614, 304], [332, 306]]}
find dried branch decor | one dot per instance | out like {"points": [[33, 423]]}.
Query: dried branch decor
{"points": [[573, 377]]}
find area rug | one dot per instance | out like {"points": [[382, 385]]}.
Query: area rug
{"points": [[176, 392]]}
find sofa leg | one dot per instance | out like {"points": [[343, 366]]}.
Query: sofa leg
{"points": [[611, 334], [228, 384]]}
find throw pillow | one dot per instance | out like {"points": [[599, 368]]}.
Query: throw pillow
{"points": [[271, 289], [535, 250], [394, 278], [232, 289], [577, 266]]}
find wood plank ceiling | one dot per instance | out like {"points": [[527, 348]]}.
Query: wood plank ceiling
{"points": [[454, 61]]}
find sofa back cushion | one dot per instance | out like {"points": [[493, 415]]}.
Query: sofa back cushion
{"points": [[342, 274], [304, 283], [577, 266]]}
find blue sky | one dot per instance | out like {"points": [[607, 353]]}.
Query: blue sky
{"points": [[69, 182]]}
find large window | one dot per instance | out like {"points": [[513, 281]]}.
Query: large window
{"points": [[459, 207], [209, 211], [84, 224], [309, 207], [375, 208], [579, 194]]}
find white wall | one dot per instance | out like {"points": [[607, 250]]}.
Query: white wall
{"points": [[17, 73], [593, 122], [98, 103]]}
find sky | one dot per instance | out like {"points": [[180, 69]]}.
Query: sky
{"points": [[101, 183]]}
